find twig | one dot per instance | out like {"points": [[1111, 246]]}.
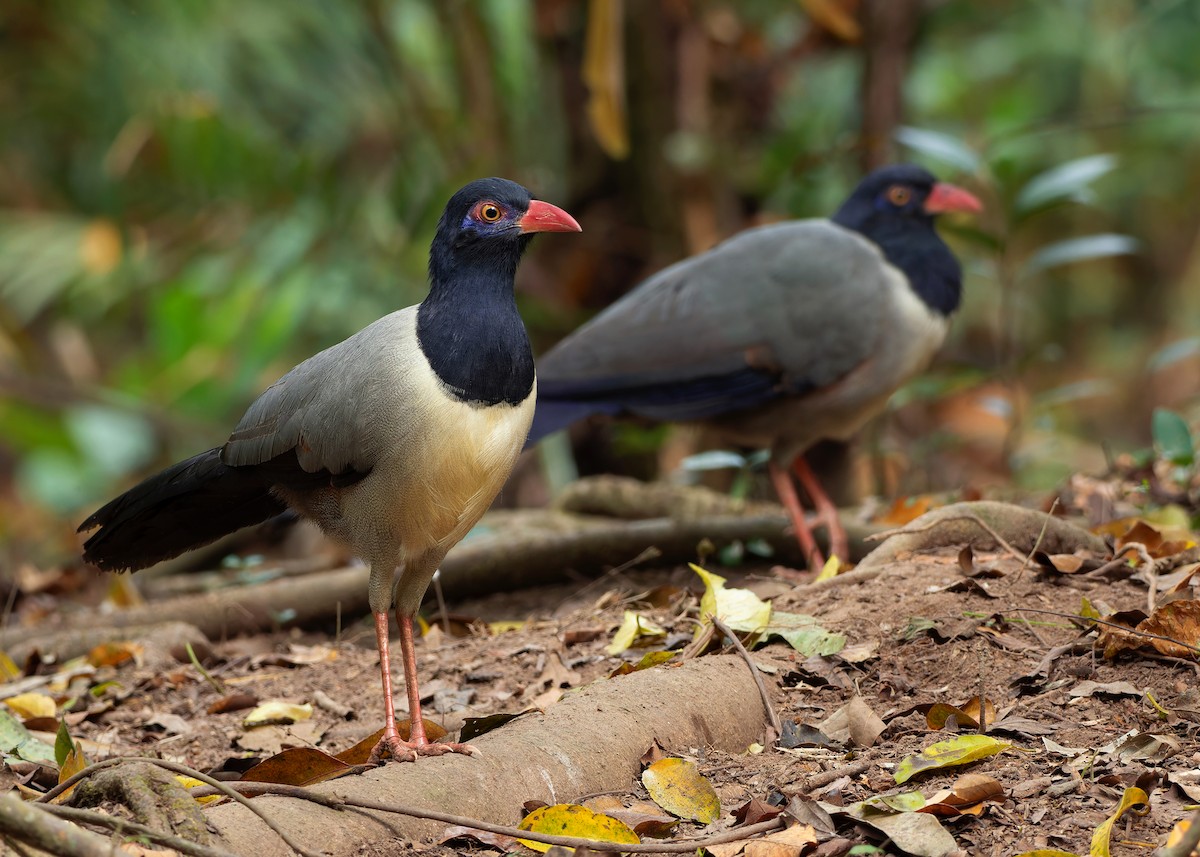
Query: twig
{"points": [[177, 768], [22, 821], [1194, 649], [826, 777], [683, 847], [1187, 843], [772, 717], [1037, 544], [123, 825]]}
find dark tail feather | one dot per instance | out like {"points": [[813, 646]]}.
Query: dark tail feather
{"points": [[550, 416], [185, 506]]}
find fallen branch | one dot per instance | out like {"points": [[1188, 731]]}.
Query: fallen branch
{"points": [[28, 823], [526, 549], [588, 742], [157, 638]]}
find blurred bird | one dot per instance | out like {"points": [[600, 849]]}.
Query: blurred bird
{"points": [[779, 337], [394, 441]]}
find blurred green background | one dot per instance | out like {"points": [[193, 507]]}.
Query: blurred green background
{"points": [[196, 194]]}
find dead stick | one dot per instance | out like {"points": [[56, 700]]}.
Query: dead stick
{"points": [[25, 822], [122, 826], [772, 717]]}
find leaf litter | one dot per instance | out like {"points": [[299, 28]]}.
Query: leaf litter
{"points": [[1132, 728]]}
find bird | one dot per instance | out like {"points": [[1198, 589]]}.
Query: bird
{"points": [[394, 441], [781, 336]]}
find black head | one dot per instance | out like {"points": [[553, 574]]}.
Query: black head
{"points": [[895, 207], [488, 223]]}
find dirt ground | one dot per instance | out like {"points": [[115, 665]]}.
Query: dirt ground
{"points": [[920, 636]]}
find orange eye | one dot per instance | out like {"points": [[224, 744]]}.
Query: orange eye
{"points": [[489, 212], [898, 194]]}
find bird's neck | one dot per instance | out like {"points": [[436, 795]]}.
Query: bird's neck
{"points": [[916, 249], [473, 336]]}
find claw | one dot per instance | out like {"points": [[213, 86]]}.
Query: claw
{"points": [[398, 750]]}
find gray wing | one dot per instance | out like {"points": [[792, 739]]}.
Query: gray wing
{"points": [[776, 310], [329, 408]]}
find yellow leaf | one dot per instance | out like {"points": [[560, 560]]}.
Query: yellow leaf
{"points": [[277, 711], [72, 765], [8, 669], [633, 626], [604, 75], [505, 627], [1046, 852], [832, 566], [569, 819], [191, 783], [28, 705], [678, 787], [740, 609], [1100, 838], [945, 754]]}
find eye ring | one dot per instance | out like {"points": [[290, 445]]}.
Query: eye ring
{"points": [[489, 212], [899, 195]]}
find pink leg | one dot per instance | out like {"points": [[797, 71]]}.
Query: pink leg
{"points": [[787, 495], [839, 544], [391, 742]]}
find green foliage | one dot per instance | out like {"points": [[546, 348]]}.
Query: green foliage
{"points": [[1173, 438]]}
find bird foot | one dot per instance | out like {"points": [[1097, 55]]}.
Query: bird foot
{"points": [[398, 750]]}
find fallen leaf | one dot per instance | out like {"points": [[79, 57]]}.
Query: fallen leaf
{"points": [[361, 752], [16, 740], [644, 818], [170, 724], [915, 833], [274, 739], [754, 810], [297, 766], [29, 705], [238, 701], [905, 510], [193, 783], [960, 750], [645, 662], [581, 635], [276, 713], [565, 819], [1179, 620], [634, 627], [804, 634], [499, 841], [854, 722], [1112, 688], [1100, 838], [473, 727], [678, 787], [830, 570], [739, 609], [114, 654], [1146, 747]]}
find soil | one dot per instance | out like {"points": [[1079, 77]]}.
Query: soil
{"points": [[927, 638]]}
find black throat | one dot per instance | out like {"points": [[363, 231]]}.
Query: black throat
{"points": [[911, 244], [472, 334]]}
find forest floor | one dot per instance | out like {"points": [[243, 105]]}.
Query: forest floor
{"points": [[1078, 715]]}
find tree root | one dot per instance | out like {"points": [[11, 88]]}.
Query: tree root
{"points": [[978, 524], [152, 796], [588, 742], [157, 638]]}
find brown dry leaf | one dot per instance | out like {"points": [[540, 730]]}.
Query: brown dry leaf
{"points": [[754, 810], [299, 766], [1117, 634], [360, 752], [654, 754], [905, 510], [274, 739], [965, 797], [499, 841], [791, 842], [238, 701], [581, 635], [972, 710], [114, 654], [604, 75], [678, 787], [855, 722], [1179, 620]]}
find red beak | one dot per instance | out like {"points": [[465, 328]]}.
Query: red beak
{"points": [[947, 197], [544, 217]]}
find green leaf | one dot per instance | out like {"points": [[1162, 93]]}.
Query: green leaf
{"points": [[1172, 437], [946, 754], [1082, 249], [804, 634], [941, 146], [63, 745], [16, 740], [1069, 181]]}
